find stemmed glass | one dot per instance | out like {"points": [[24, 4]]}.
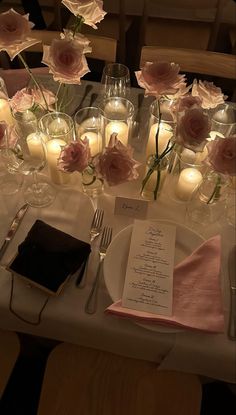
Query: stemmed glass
{"points": [[116, 80], [27, 155]]}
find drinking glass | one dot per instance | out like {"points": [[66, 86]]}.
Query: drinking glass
{"points": [[223, 120], [116, 80], [27, 155]]}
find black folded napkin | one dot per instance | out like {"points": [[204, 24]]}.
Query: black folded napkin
{"points": [[48, 256]]}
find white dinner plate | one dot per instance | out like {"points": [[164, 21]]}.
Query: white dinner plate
{"points": [[115, 263]]}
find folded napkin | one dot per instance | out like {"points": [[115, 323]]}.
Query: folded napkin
{"points": [[48, 256], [197, 300]]}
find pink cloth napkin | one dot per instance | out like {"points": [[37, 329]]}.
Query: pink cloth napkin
{"points": [[16, 79], [197, 300]]}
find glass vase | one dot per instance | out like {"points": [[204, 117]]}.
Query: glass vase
{"points": [[154, 178], [92, 185]]}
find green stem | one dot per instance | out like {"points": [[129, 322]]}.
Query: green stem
{"points": [[216, 192], [78, 25], [158, 126], [58, 90], [157, 184], [33, 78]]}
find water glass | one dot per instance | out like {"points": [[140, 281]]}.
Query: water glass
{"points": [[116, 80], [223, 120]]}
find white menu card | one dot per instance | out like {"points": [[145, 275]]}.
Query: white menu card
{"points": [[149, 273]]}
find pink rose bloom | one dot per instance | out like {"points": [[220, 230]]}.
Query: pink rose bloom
{"points": [[193, 128], [48, 95], [160, 78], [22, 100], [3, 127], [115, 164], [75, 156], [186, 102], [210, 95], [15, 33], [65, 58], [90, 10], [222, 155]]}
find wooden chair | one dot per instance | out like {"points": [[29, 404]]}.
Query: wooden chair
{"points": [[182, 24], [194, 61], [85, 381], [9, 352]]}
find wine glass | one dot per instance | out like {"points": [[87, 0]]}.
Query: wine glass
{"points": [[116, 80], [27, 155]]}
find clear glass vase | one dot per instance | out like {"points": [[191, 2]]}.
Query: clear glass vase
{"points": [[154, 178], [91, 184]]}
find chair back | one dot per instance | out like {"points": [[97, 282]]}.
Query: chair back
{"points": [[193, 61]]}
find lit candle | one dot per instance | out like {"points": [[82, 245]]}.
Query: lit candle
{"points": [[5, 112], [165, 134], [35, 144], [213, 135], [115, 106], [120, 128], [58, 127], [189, 180], [94, 141], [201, 155], [54, 148], [188, 156]]}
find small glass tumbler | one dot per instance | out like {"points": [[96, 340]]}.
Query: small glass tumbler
{"points": [[59, 129], [223, 119], [117, 117], [116, 80]]}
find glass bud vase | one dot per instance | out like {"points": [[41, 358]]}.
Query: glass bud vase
{"points": [[154, 178], [91, 184]]}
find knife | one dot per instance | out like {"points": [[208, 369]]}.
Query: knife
{"points": [[13, 228], [232, 280]]}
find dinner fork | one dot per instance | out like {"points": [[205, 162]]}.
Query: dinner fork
{"points": [[91, 304], [95, 230]]}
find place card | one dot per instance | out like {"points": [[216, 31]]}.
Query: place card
{"points": [[149, 274], [131, 207]]}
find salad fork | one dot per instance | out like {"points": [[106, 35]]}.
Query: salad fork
{"points": [[95, 230], [91, 304]]}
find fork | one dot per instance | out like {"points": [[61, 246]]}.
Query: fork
{"points": [[91, 304], [95, 230]]}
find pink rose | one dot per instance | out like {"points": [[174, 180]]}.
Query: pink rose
{"points": [[160, 78], [15, 31], [22, 100], [115, 164], [75, 156], [186, 102], [210, 95], [48, 95], [222, 155], [3, 127], [65, 58], [90, 10], [193, 128]]}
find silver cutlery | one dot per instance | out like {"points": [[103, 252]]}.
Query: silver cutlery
{"points": [[232, 280], [91, 304], [95, 230], [13, 228]]}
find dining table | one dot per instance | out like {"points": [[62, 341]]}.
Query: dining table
{"points": [[211, 355]]}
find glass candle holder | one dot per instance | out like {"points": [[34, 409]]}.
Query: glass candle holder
{"points": [[88, 124], [59, 129], [116, 80], [166, 129], [223, 120], [5, 109], [185, 175], [117, 117]]}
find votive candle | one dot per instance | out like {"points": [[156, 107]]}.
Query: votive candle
{"points": [[189, 180], [54, 148], [165, 134], [120, 128], [5, 112]]}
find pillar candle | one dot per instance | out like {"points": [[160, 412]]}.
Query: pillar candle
{"points": [[5, 112], [54, 148], [165, 134], [35, 145], [189, 180], [119, 127], [95, 140]]}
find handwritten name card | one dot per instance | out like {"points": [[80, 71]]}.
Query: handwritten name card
{"points": [[149, 274], [131, 207]]}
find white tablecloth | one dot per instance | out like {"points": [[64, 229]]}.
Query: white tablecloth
{"points": [[64, 319]]}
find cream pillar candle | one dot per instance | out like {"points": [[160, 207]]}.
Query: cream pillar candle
{"points": [[165, 134], [119, 127], [5, 112], [95, 140], [54, 148], [34, 142], [189, 180]]}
